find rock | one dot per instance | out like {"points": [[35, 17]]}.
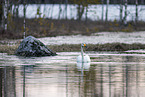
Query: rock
{"points": [[32, 47]]}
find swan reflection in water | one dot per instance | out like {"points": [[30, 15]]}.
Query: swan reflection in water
{"points": [[86, 66]]}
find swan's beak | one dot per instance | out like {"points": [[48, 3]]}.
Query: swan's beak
{"points": [[85, 45]]}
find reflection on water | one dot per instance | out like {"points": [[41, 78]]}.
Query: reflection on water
{"points": [[86, 66], [7, 82], [109, 75]]}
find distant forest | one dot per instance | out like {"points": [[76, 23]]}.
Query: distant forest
{"points": [[11, 20], [75, 1]]}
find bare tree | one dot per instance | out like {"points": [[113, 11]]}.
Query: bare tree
{"points": [[3, 18], [52, 11], [102, 9], [86, 4], [24, 24], [60, 9], [136, 13], [80, 10], [16, 8], [121, 9], [5, 13], [66, 3], [86, 14], [107, 10], [1, 11], [125, 13]]}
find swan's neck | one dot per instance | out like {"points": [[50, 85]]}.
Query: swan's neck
{"points": [[82, 54]]}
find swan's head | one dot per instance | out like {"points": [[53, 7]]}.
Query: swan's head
{"points": [[83, 45]]}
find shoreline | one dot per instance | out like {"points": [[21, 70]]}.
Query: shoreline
{"points": [[95, 38]]}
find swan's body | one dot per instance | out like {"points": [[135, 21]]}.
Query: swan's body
{"points": [[85, 59]]}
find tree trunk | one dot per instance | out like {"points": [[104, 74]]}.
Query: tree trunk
{"points": [[121, 10], [86, 10], [24, 24], [1, 11], [102, 10], [52, 11], [3, 17], [107, 10], [136, 13], [5, 14], [66, 3], [80, 11], [60, 10], [86, 15], [125, 13], [17, 11]]}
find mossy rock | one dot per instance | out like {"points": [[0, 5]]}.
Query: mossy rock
{"points": [[32, 47]]}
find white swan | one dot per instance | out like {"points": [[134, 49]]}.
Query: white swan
{"points": [[83, 58]]}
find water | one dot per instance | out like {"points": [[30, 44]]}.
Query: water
{"points": [[111, 74]]}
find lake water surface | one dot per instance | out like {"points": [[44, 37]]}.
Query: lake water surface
{"points": [[110, 74]]}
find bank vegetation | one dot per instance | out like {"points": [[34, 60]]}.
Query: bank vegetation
{"points": [[120, 47]]}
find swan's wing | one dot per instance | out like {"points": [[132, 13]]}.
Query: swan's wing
{"points": [[79, 58], [87, 58]]}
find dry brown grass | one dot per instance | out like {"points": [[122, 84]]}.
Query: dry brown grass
{"points": [[8, 49], [97, 47], [48, 28], [76, 47]]}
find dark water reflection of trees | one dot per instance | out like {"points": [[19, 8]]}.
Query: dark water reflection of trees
{"points": [[102, 80], [7, 82], [114, 80]]}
